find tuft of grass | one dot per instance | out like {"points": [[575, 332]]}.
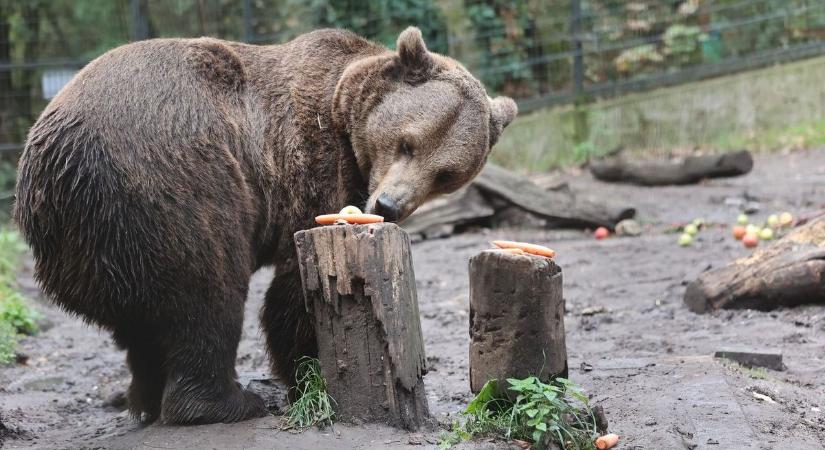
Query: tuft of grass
{"points": [[16, 316], [555, 412], [313, 405]]}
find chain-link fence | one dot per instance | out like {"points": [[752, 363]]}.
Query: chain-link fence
{"points": [[541, 52]]}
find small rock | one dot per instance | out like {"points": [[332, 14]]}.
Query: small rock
{"points": [[592, 310], [116, 400], [628, 227], [763, 397], [650, 421], [21, 358], [585, 367], [712, 441]]}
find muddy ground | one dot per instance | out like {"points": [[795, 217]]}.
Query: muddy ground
{"points": [[646, 358]]}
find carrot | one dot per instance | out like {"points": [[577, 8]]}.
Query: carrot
{"points": [[329, 219], [516, 251], [607, 441], [529, 248]]}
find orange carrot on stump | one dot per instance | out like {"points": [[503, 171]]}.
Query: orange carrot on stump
{"points": [[533, 249]]}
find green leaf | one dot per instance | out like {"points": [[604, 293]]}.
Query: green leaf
{"points": [[541, 426], [487, 393]]}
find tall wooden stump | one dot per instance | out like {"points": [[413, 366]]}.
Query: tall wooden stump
{"points": [[359, 284], [516, 318]]}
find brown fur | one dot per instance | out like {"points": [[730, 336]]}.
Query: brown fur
{"points": [[168, 171]]}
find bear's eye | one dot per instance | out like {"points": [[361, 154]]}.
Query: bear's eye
{"points": [[405, 149]]}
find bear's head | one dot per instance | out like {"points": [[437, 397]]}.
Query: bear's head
{"points": [[420, 124]]}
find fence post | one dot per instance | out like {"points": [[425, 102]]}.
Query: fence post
{"points": [[581, 127], [247, 21], [578, 55], [140, 26]]}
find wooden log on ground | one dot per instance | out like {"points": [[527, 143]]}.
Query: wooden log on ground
{"points": [[516, 318], [439, 217], [498, 195], [688, 171], [561, 207], [789, 272], [359, 284]]}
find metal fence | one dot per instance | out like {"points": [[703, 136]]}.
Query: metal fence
{"points": [[542, 52]]}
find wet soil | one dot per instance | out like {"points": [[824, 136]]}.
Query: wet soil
{"points": [[632, 344]]}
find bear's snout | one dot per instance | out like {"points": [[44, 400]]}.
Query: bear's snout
{"points": [[387, 207]]}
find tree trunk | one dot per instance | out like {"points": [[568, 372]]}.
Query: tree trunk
{"points": [[691, 170], [359, 283], [516, 318], [789, 272]]}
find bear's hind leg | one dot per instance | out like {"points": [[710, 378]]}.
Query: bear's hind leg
{"points": [[290, 330], [201, 384], [145, 359]]}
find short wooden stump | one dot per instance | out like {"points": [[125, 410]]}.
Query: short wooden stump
{"points": [[516, 318], [359, 284]]}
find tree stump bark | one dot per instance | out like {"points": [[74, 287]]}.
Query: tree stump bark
{"points": [[692, 169], [789, 272], [516, 318], [359, 284]]}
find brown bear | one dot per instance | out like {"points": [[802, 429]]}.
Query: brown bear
{"points": [[168, 171]]}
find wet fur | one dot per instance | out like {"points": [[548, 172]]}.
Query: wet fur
{"points": [[169, 170]]}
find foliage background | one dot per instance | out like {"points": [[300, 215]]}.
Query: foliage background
{"points": [[525, 49]]}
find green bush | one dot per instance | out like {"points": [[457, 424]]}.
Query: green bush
{"points": [[16, 316], [15, 311]]}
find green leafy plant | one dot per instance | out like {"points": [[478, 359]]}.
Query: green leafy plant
{"points": [[16, 316], [8, 342], [16, 312], [556, 412], [313, 405]]}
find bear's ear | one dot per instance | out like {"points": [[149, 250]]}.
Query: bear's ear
{"points": [[502, 111], [413, 54]]}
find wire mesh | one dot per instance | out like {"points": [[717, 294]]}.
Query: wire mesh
{"points": [[538, 51]]}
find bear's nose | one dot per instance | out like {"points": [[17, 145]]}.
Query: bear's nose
{"points": [[385, 206]]}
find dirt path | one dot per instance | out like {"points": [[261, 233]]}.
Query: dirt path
{"points": [[646, 359]]}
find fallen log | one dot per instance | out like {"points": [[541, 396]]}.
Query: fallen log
{"points": [[562, 207], [516, 318], [692, 169], [789, 272], [441, 216], [359, 284], [498, 196]]}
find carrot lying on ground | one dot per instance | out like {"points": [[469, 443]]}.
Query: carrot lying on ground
{"points": [[607, 441], [526, 247]]}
